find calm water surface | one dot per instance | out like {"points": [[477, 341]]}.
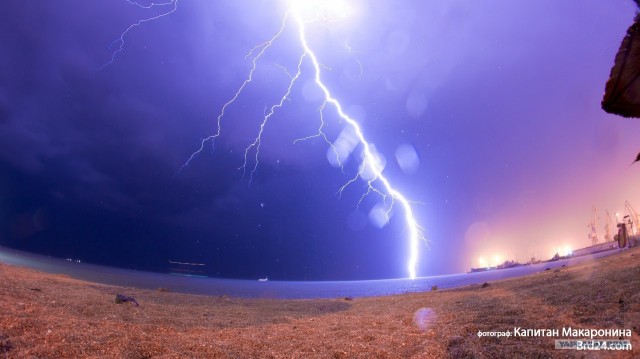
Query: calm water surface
{"points": [[272, 288]]}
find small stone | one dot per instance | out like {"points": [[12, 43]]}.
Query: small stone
{"points": [[121, 298]]}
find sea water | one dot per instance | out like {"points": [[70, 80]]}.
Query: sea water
{"points": [[271, 288]]}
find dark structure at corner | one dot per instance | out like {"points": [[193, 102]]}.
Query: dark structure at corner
{"points": [[622, 91]]}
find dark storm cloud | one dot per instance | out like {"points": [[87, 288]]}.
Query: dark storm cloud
{"points": [[100, 150], [76, 142], [79, 122], [489, 95]]}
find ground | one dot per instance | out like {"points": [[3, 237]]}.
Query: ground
{"points": [[54, 316]]}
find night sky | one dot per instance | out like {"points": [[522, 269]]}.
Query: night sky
{"points": [[499, 100]]}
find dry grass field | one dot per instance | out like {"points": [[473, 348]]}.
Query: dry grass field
{"points": [[53, 316]]}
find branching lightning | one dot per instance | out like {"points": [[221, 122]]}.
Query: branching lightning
{"points": [[370, 160], [171, 4], [261, 49], [255, 145], [301, 13]]}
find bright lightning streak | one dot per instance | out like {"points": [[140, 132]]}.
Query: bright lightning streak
{"points": [[370, 160], [371, 168]]}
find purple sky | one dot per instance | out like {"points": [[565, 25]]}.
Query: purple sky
{"points": [[499, 99]]}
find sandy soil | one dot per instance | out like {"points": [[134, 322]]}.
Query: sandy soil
{"points": [[53, 316]]}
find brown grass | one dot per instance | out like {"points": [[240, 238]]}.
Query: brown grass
{"points": [[54, 316]]}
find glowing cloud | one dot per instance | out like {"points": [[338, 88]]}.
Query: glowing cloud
{"points": [[324, 10]]}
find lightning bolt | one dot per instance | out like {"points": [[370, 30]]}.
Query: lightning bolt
{"points": [[171, 4], [260, 49], [369, 160], [370, 169]]}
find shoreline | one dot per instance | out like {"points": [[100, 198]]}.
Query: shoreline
{"points": [[52, 315], [272, 288]]}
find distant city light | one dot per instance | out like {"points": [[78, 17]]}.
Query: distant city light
{"points": [[564, 252]]}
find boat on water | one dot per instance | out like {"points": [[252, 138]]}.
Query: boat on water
{"points": [[187, 269]]}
